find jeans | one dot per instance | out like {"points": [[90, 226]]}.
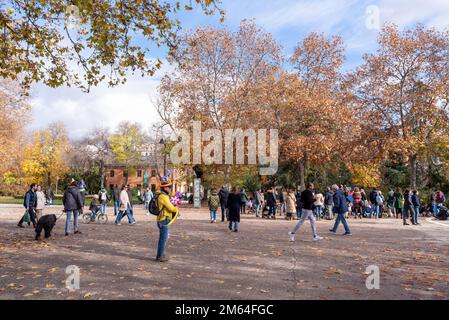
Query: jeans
{"points": [[224, 213], [341, 218], [318, 212], [75, 220], [416, 215], [375, 211], [434, 209], [163, 237], [129, 214], [298, 212], [213, 215], [103, 208], [147, 204], [330, 214], [306, 214], [272, 211], [116, 207], [94, 213], [236, 226], [257, 209]]}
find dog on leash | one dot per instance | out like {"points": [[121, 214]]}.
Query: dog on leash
{"points": [[47, 223]]}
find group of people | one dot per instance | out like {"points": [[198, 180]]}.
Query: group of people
{"points": [[34, 202]]}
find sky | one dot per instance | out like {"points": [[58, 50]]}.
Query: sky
{"points": [[289, 21]]}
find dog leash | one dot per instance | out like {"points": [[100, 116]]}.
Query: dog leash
{"points": [[62, 213]]}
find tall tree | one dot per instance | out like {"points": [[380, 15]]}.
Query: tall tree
{"points": [[126, 146], [214, 80], [108, 38], [45, 156], [402, 93]]}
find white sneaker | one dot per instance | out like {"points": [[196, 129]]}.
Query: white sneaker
{"points": [[292, 236], [317, 238]]}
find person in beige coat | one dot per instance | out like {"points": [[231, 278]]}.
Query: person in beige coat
{"points": [[290, 203], [40, 203]]}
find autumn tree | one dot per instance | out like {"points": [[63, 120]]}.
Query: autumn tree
{"points": [[82, 43], [126, 146], [402, 94], [214, 80], [45, 156], [307, 106]]}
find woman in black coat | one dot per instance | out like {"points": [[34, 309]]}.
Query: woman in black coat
{"points": [[234, 209]]}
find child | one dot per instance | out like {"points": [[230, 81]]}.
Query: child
{"points": [[214, 203], [94, 207]]}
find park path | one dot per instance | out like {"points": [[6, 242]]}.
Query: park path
{"points": [[208, 262]]}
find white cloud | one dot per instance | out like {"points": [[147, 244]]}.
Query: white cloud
{"points": [[103, 106]]}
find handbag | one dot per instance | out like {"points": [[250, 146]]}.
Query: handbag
{"points": [[26, 217]]}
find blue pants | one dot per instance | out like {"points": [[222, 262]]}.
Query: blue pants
{"points": [[129, 214], [341, 218], [257, 209], [416, 215], [75, 220], [236, 225], [116, 207], [103, 208], [213, 215], [163, 237]]}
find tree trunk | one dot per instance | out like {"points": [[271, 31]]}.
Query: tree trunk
{"points": [[302, 174], [102, 173], [412, 167], [48, 179], [227, 173]]}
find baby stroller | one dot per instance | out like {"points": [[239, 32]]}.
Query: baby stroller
{"points": [[266, 213]]}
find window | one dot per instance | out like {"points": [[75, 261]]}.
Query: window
{"points": [[112, 173], [139, 173], [153, 173]]}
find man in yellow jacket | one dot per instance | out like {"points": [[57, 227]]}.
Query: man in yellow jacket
{"points": [[168, 214]]}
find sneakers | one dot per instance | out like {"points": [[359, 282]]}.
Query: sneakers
{"points": [[78, 232], [66, 234], [20, 226], [332, 231], [133, 223], [292, 236], [118, 224], [348, 234], [317, 238]]}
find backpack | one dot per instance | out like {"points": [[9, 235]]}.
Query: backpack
{"points": [[153, 206], [103, 196]]}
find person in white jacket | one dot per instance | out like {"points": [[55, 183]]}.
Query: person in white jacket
{"points": [[319, 205], [40, 203], [125, 206]]}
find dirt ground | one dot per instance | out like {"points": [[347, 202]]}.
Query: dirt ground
{"points": [[208, 262]]}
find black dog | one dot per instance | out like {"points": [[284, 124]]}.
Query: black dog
{"points": [[47, 223]]}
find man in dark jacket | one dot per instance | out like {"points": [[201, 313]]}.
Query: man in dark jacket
{"points": [[29, 202], [416, 205], [307, 199], [329, 203], [374, 205], [271, 203], [73, 204], [298, 204], [340, 208], [408, 208], [223, 194]]}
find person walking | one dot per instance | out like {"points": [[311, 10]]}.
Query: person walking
{"points": [[319, 205], [440, 200], [329, 203], [148, 196], [307, 199], [298, 204], [416, 204], [223, 195], [398, 202], [103, 198], [116, 198], [168, 213], [257, 202], [357, 203], [125, 206], [390, 203], [214, 203], [270, 199], [290, 203], [374, 205], [29, 202], [380, 203], [340, 208], [243, 201], [73, 205], [40, 202], [408, 211], [233, 205]]}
